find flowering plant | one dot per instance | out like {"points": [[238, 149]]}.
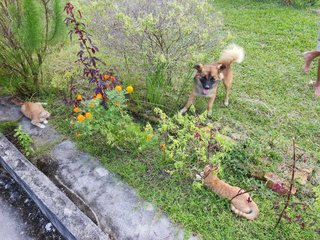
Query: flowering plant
{"points": [[103, 80], [113, 124]]}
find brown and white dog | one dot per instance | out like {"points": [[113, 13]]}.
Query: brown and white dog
{"points": [[241, 202], [208, 77]]}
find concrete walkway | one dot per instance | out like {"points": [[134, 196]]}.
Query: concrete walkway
{"points": [[115, 206]]}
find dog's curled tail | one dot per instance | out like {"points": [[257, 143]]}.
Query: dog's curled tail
{"points": [[253, 214], [233, 53]]}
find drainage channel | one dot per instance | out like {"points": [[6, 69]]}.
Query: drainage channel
{"points": [[20, 217], [63, 214]]}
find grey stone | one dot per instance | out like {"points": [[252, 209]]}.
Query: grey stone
{"points": [[121, 212], [41, 136], [64, 214], [8, 111]]}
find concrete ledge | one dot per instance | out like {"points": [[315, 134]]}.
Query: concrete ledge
{"points": [[64, 214], [120, 211]]}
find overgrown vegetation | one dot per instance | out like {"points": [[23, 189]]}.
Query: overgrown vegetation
{"points": [[270, 104], [24, 140], [28, 28], [301, 3], [154, 43]]}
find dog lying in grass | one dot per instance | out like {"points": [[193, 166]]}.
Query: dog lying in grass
{"points": [[208, 76], [34, 111], [241, 202]]}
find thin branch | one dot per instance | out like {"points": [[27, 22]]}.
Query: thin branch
{"points": [[291, 183]]}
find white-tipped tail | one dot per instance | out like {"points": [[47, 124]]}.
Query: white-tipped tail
{"points": [[233, 53], [250, 216]]}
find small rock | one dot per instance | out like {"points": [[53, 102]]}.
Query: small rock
{"points": [[100, 172], [316, 11], [278, 184], [67, 212], [48, 227], [302, 175], [258, 175]]}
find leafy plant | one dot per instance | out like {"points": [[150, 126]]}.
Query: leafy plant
{"points": [[190, 142], [28, 28], [155, 43], [91, 71], [24, 140], [112, 123]]}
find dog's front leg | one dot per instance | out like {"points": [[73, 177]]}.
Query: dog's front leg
{"points": [[190, 101], [211, 101]]}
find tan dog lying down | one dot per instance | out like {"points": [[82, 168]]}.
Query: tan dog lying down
{"points": [[241, 203], [34, 111]]}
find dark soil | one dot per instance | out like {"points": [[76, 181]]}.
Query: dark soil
{"points": [[37, 225]]}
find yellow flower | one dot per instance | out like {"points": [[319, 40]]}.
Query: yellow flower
{"points": [[99, 95], [88, 115], [129, 89], [77, 134], [118, 88], [163, 146], [79, 97], [80, 118], [149, 137], [92, 105], [76, 109]]}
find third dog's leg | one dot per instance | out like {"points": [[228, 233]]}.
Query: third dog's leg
{"points": [[190, 101], [211, 101], [227, 85]]}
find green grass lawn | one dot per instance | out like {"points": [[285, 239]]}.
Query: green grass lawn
{"points": [[271, 103], [271, 96]]}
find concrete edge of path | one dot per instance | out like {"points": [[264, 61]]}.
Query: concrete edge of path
{"points": [[55, 205]]}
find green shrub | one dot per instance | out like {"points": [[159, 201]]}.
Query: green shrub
{"points": [[155, 43], [24, 140], [28, 28], [112, 124], [189, 142]]}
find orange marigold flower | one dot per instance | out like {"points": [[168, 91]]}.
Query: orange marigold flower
{"points": [[88, 115], [76, 109], [112, 78], [129, 89], [79, 97], [105, 76], [149, 137], [118, 88], [116, 103], [99, 95], [80, 118], [163, 146]]}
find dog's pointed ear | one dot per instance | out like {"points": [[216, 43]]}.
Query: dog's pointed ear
{"points": [[198, 67], [222, 67]]}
